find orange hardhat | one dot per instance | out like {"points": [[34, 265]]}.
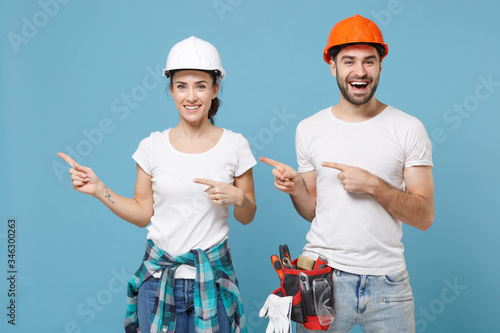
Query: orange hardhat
{"points": [[355, 30]]}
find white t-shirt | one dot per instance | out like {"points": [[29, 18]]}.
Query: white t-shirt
{"points": [[184, 218], [352, 230]]}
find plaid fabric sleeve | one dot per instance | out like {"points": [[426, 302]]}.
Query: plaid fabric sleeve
{"points": [[221, 259], [214, 270]]}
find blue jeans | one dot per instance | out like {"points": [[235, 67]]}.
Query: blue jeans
{"points": [[184, 306], [376, 303]]}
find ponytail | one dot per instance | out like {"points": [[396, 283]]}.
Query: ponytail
{"points": [[213, 109]]}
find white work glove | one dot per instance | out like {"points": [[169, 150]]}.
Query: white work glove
{"points": [[278, 309]]}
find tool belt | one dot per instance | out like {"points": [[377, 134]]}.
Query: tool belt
{"points": [[300, 287]]}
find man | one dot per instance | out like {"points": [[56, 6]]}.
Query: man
{"points": [[364, 169]]}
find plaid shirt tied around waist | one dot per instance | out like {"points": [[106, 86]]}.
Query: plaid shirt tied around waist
{"points": [[214, 269]]}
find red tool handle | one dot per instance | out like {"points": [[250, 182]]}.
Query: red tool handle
{"points": [[320, 262], [277, 265]]}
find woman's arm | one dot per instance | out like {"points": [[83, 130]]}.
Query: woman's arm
{"points": [[244, 211], [137, 210], [241, 195]]}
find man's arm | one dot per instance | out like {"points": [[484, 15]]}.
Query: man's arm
{"points": [[300, 186], [304, 197], [415, 207]]}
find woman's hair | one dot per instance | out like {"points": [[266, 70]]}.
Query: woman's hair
{"points": [[215, 102]]}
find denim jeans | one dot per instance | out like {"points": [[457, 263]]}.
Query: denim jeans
{"points": [[376, 303], [184, 306]]}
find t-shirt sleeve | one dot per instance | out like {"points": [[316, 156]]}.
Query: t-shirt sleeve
{"points": [[246, 160], [143, 155], [418, 147], [303, 161]]}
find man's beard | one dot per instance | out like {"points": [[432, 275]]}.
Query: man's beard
{"points": [[344, 90]]}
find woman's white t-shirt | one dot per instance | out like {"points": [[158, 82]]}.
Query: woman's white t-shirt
{"points": [[184, 218]]}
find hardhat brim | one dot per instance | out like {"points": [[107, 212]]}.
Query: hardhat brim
{"points": [[219, 73], [380, 47]]}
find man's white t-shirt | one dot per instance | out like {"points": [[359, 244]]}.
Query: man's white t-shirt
{"points": [[353, 231], [184, 218]]}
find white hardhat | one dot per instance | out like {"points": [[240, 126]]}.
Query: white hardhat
{"points": [[194, 53]]}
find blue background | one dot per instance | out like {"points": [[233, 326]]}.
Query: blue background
{"points": [[71, 70]]}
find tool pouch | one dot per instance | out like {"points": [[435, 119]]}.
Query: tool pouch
{"points": [[303, 308]]}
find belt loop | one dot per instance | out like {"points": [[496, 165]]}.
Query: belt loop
{"points": [[186, 298]]}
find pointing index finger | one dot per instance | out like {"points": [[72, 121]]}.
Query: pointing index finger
{"points": [[68, 159], [334, 165], [204, 181], [271, 162]]}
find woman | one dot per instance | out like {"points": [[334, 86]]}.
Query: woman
{"points": [[187, 176]]}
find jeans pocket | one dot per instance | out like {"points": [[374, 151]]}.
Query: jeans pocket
{"points": [[397, 279], [392, 299]]}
